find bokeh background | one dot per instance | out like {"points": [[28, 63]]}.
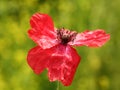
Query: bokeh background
{"points": [[99, 68]]}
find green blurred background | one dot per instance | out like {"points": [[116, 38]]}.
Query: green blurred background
{"points": [[99, 68]]}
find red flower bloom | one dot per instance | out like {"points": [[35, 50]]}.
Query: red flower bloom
{"points": [[55, 52]]}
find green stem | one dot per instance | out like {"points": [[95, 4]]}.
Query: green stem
{"points": [[58, 85]]}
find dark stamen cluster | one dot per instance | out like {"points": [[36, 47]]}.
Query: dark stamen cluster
{"points": [[65, 36]]}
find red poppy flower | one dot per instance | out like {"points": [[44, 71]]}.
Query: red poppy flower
{"points": [[55, 52]]}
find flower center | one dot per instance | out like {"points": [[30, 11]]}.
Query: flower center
{"points": [[65, 36]]}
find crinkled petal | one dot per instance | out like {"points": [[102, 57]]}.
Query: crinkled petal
{"points": [[62, 64], [95, 38], [42, 30], [37, 59]]}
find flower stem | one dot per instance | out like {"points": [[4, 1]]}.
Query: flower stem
{"points": [[58, 85]]}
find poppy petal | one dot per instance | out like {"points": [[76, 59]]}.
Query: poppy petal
{"points": [[95, 38], [62, 64], [42, 30], [37, 59]]}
